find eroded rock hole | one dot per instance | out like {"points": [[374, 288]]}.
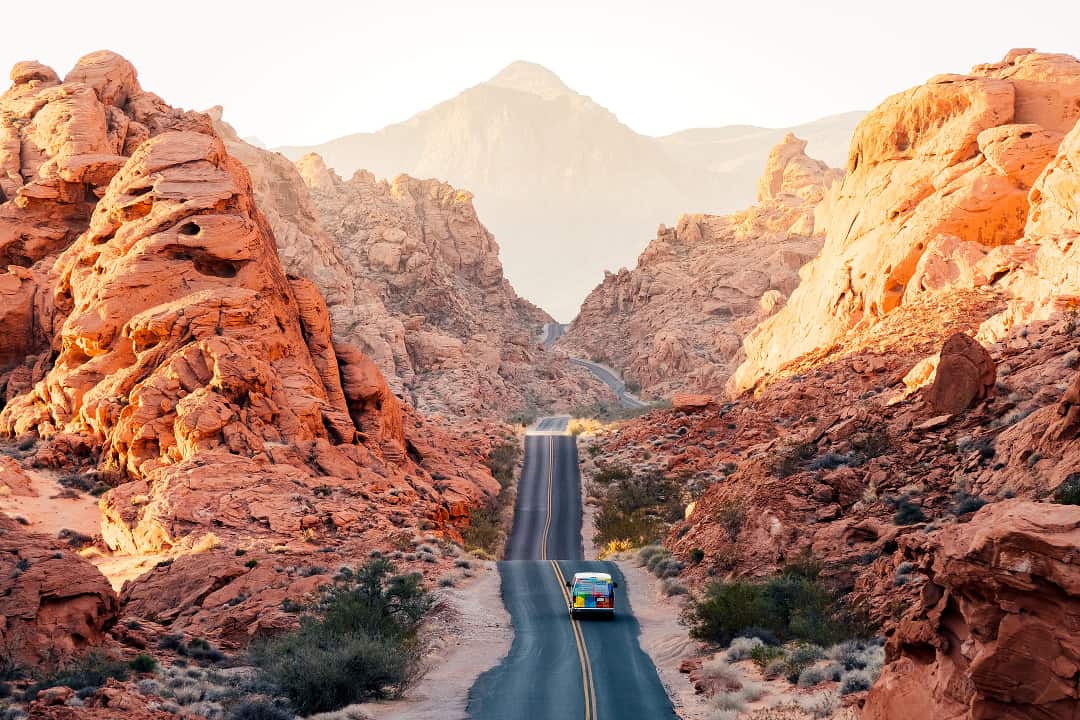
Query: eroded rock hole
{"points": [[205, 263], [190, 229]]}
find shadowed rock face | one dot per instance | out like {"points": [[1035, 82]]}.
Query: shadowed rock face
{"points": [[994, 631], [52, 600], [936, 197], [676, 321], [149, 331]]}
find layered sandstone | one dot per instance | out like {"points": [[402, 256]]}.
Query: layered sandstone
{"points": [[676, 321], [993, 633], [942, 180], [52, 602], [430, 303], [152, 335]]}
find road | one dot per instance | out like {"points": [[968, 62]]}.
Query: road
{"points": [[554, 331], [559, 668]]}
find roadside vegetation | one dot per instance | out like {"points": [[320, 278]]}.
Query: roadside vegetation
{"points": [[357, 643], [486, 534], [636, 508], [794, 605]]}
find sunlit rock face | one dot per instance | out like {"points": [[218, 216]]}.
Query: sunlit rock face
{"points": [[938, 193], [676, 321], [150, 334]]}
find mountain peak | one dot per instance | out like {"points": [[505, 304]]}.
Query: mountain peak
{"points": [[531, 78]]}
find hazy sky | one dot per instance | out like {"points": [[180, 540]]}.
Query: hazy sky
{"points": [[305, 71]]}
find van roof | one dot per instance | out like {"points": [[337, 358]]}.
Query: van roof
{"points": [[591, 576]]}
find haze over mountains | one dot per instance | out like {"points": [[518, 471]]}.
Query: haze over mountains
{"points": [[568, 190]]}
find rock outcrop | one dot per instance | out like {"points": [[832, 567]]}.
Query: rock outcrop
{"points": [[993, 634], [676, 321], [430, 304], [156, 339], [52, 602], [965, 374], [940, 182]]}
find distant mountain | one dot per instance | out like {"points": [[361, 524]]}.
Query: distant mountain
{"points": [[561, 182]]}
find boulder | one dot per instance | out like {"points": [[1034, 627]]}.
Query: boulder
{"points": [[965, 374]]}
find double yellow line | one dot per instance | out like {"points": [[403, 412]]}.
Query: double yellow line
{"points": [[550, 483], [587, 684]]}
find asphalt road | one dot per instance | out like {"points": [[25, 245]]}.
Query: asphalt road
{"points": [[613, 381], [559, 668]]}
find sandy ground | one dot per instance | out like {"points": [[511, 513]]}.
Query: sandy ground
{"points": [[473, 633], [51, 507]]}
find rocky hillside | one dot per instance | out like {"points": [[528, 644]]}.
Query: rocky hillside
{"points": [[413, 279], [922, 441], [153, 344], [676, 321], [430, 303], [568, 188], [941, 184]]}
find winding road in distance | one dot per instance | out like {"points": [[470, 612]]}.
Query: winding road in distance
{"points": [[558, 668], [606, 375]]}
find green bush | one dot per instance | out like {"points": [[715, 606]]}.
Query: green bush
{"points": [[1068, 492], [143, 663], [637, 508], [358, 643], [89, 671], [485, 528], [789, 605], [502, 461]]}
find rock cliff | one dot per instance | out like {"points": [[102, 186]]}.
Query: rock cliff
{"points": [[676, 321], [152, 337], [941, 181], [430, 304]]}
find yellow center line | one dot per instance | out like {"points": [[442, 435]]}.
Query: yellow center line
{"points": [[547, 516], [588, 685]]}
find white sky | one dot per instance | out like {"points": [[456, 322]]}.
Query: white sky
{"points": [[304, 71]]}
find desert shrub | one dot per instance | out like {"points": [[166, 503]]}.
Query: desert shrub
{"points": [[817, 674], [822, 705], [789, 605], [1068, 492], [908, 514], [672, 588], [855, 681], [799, 659], [649, 551], [485, 528], [829, 461], [143, 663], [728, 700], [614, 547], [764, 655], [502, 461], [719, 670], [752, 691], [358, 643], [965, 503], [201, 650], [447, 581], [637, 509], [741, 648], [258, 710], [608, 473], [87, 672], [731, 515]]}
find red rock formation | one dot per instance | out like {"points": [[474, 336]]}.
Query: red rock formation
{"points": [[155, 335], [936, 197], [52, 602], [993, 634], [430, 304], [676, 321]]}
